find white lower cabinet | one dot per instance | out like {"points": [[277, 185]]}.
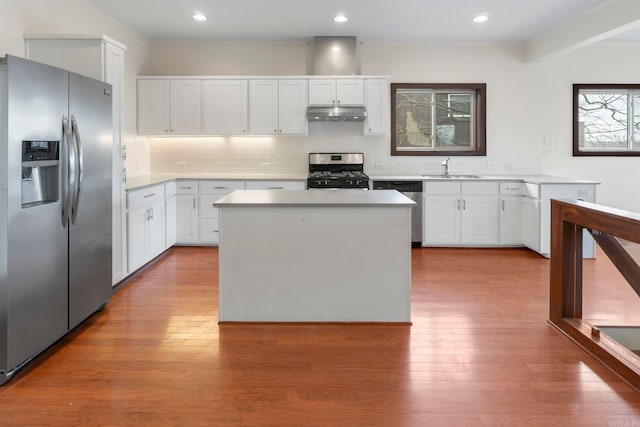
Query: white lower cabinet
{"points": [[210, 191], [186, 212], [546, 192], [145, 225], [460, 213], [511, 213], [170, 214]]}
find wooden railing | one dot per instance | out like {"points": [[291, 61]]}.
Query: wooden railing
{"points": [[568, 220]]}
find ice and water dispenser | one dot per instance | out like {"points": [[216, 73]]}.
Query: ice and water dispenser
{"points": [[40, 173]]}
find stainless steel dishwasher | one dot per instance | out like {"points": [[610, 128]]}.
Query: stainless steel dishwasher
{"points": [[413, 190]]}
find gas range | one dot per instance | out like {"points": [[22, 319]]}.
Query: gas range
{"points": [[337, 170]]}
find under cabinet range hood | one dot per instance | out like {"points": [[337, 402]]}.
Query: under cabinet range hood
{"points": [[336, 114]]}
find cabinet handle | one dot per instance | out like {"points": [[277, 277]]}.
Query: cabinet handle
{"points": [[502, 202], [464, 204], [149, 195], [276, 131], [334, 101], [221, 188], [458, 204], [151, 216], [146, 214], [124, 175], [276, 188], [194, 203], [185, 188]]}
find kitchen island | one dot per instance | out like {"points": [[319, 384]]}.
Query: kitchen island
{"points": [[315, 256]]}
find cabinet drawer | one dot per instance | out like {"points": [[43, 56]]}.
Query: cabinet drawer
{"points": [[170, 189], [220, 187], [207, 210], [145, 196], [187, 187], [511, 188], [479, 187], [439, 187], [276, 185], [209, 231], [531, 190]]}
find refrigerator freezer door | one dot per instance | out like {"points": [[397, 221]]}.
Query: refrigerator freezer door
{"points": [[90, 234], [36, 303]]}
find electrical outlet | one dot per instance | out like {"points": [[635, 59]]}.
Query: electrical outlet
{"points": [[508, 166], [378, 165], [182, 165], [492, 164]]}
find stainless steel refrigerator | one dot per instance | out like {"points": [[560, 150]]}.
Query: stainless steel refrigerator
{"points": [[55, 205]]}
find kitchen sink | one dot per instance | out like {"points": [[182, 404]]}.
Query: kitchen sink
{"points": [[452, 176]]}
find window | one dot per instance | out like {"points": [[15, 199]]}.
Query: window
{"points": [[606, 120], [438, 119]]}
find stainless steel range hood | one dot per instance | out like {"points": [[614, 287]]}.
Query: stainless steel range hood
{"points": [[335, 55], [336, 114]]}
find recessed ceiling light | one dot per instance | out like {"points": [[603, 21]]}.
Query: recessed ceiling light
{"points": [[480, 19], [197, 16], [340, 18]]}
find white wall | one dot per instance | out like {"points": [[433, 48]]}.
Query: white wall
{"points": [[19, 17]]}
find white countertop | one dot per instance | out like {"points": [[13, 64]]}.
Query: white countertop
{"points": [[314, 198], [146, 180], [531, 179]]}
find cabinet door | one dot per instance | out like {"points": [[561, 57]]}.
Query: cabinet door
{"points": [[263, 107], [186, 112], [322, 92], [531, 223], [350, 91], [187, 218], [136, 238], [155, 230], [511, 220], [154, 107], [170, 221], [377, 105], [292, 107], [441, 218], [479, 220], [224, 107]]}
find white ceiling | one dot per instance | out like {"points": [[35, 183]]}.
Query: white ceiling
{"points": [[369, 20]]}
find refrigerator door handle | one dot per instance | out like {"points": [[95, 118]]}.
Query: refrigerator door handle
{"points": [[80, 169], [69, 172]]}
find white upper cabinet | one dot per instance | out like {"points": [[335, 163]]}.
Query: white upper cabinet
{"points": [[263, 107], [336, 92], [186, 116], [224, 107], [154, 107], [169, 107], [278, 107], [292, 107], [377, 106]]}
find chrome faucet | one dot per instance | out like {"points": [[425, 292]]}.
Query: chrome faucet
{"points": [[445, 163]]}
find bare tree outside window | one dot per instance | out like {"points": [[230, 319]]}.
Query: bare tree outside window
{"points": [[606, 120]]}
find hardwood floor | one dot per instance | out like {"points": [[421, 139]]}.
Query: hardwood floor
{"points": [[479, 353]]}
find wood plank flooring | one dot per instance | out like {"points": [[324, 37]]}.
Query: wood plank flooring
{"points": [[479, 353]]}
